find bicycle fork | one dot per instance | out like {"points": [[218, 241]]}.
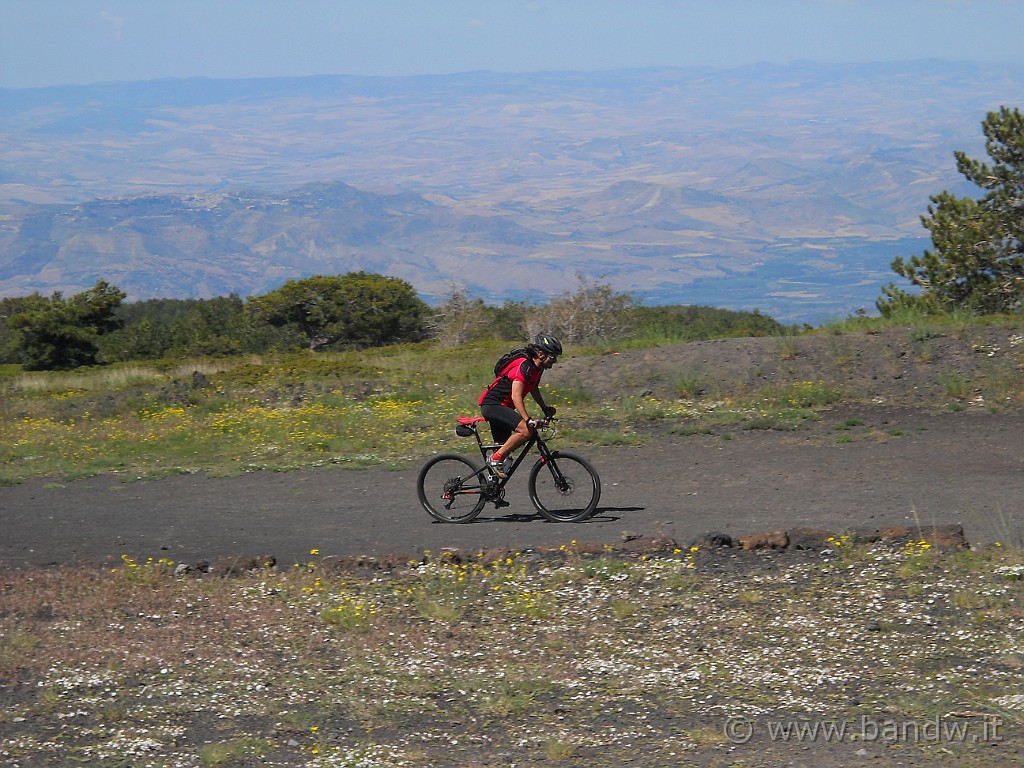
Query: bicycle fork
{"points": [[561, 482]]}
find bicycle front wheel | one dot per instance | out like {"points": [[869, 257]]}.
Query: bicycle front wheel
{"points": [[450, 488], [565, 489]]}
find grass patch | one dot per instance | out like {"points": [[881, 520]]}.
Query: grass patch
{"points": [[589, 436], [922, 325], [784, 420], [228, 752], [955, 385], [382, 406], [242, 415], [133, 664]]}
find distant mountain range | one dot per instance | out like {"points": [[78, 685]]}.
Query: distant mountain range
{"points": [[784, 188]]}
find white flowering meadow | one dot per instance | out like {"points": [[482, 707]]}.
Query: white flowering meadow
{"points": [[556, 658]]}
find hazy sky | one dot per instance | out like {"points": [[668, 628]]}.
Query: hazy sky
{"points": [[59, 42]]}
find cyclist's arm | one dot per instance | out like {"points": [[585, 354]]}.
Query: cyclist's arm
{"points": [[540, 400], [518, 392]]}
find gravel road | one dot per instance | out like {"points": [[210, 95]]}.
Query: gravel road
{"points": [[897, 467]]}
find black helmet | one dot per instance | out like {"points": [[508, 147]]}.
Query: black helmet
{"points": [[549, 345]]}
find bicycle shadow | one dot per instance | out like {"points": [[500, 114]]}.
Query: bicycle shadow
{"points": [[604, 514], [601, 515]]}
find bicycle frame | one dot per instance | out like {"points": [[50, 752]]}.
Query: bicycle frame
{"points": [[471, 423], [564, 487]]}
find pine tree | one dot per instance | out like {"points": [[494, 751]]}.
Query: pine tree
{"points": [[59, 334], [977, 259]]}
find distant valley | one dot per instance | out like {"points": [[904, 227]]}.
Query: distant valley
{"points": [[788, 189]]}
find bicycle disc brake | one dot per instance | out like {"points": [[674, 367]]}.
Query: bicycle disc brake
{"points": [[563, 484]]}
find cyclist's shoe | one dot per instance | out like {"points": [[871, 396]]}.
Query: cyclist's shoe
{"points": [[500, 468]]}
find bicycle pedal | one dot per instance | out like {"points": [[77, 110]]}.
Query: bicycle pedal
{"points": [[499, 503]]}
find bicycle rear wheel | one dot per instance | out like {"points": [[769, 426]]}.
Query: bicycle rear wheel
{"points": [[565, 489], [450, 488]]}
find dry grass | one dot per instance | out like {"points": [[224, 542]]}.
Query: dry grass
{"points": [[525, 660], [383, 406]]}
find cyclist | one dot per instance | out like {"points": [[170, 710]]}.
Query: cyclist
{"points": [[502, 403]]}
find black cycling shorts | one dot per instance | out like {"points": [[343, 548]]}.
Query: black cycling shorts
{"points": [[503, 421]]}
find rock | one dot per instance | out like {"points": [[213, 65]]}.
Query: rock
{"points": [[938, 536], [864, 535], [894, 534], [647, 545], [809, 538], [587, 548], [454, 556], [944, 536], [365, 563], [714, 540], [772, 540], [236, 565]]}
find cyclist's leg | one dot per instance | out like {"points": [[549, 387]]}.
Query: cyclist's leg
{"points": [[505, 422], [500, 420]]}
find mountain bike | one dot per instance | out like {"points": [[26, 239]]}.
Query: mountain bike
{"points": [[564, 487]]}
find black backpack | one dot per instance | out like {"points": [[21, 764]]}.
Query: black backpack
{"points": [[507, 358]]}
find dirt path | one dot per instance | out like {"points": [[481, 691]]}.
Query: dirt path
{"points": [[896, 468]]}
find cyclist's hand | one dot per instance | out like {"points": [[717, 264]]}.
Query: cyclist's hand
{"points": [[549, 411], [531, 423]]}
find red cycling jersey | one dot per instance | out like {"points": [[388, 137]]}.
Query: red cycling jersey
{"points": [[500, 390]]}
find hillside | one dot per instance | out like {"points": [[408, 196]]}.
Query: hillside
{"points": [[785, 188], [251, 242], [899, 367]]}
